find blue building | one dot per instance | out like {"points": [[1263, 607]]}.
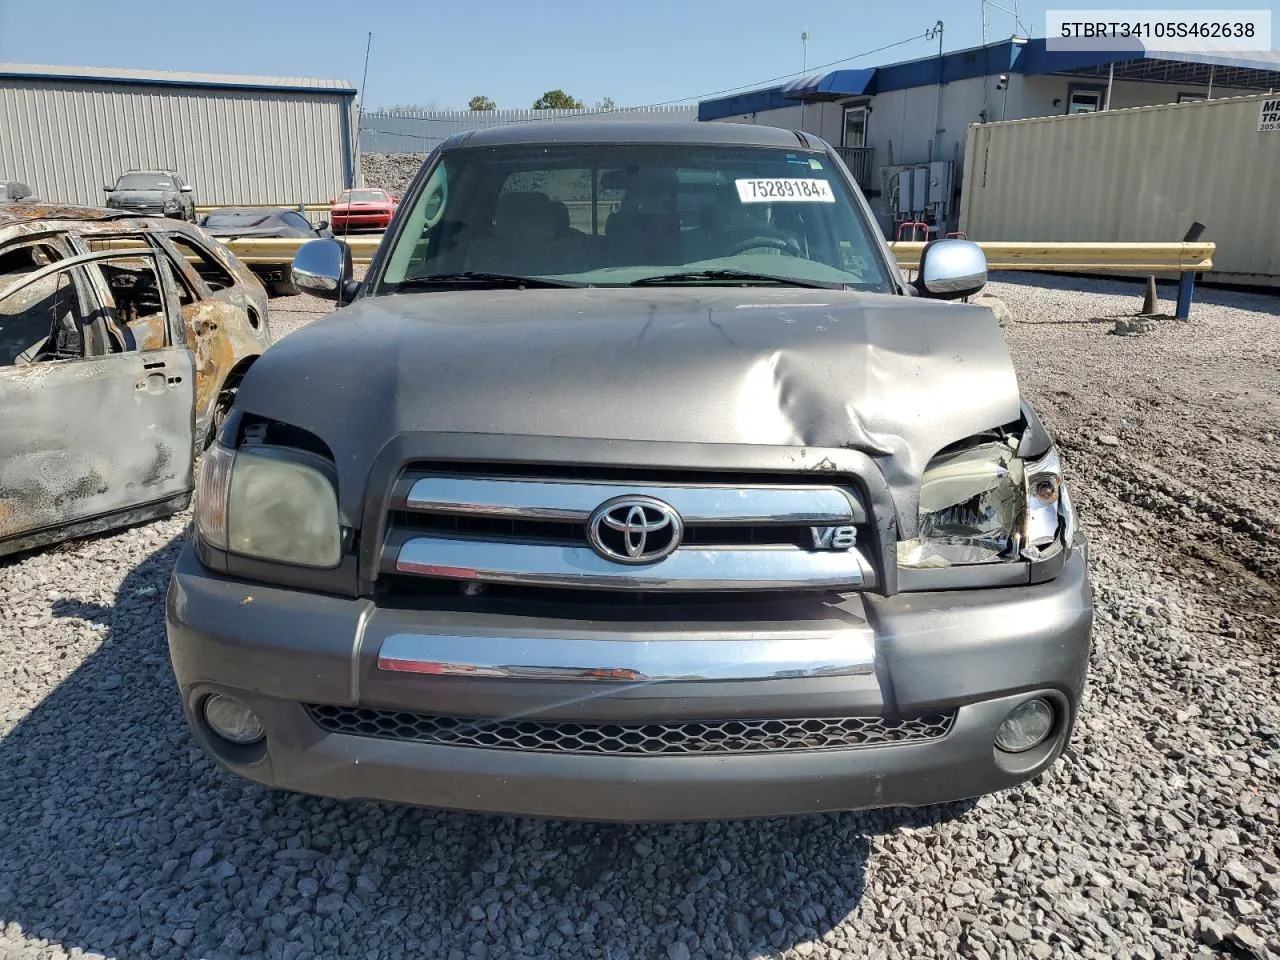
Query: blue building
{"points": [[911, 117]]}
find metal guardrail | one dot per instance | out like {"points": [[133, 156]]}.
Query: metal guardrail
{"points": [[203, 208], [1177, 257], [264, 250]]}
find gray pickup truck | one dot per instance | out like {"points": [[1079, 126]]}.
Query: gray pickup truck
{"points": [[633, 483]]}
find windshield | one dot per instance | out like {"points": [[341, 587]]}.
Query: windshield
{"points": [[145, 181], [363, 196], [613, 215], [241, 219]]}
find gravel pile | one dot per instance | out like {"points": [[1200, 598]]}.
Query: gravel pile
{"points": [[390, 171], [1156, 837]]}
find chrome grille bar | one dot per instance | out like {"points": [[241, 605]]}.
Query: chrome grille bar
{"points": [[843, 652], [573, 501], [553, 565]]}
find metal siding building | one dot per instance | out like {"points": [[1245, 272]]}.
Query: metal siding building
{"points": [[918, 111], [68, 131], [407, 131], [1141, 174]]}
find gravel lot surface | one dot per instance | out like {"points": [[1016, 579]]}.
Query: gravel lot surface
{"points": [[390, 171], [1157, 836]]}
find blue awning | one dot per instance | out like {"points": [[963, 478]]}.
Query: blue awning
{"points": [[830, 86], [743, 104]]}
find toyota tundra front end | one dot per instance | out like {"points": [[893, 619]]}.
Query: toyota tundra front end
{"points": [[635, 484]]}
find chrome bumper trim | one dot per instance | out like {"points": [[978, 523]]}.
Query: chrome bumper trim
{"points": [[848, 652], [552, 565], [573, 501]]}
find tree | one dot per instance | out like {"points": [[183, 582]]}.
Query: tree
{"points": [[557, 100], [605, 104], [481, 103]]}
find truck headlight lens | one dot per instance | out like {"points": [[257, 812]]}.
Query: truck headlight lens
{"points": [[971, 504], [271, 503], [984, 505]]}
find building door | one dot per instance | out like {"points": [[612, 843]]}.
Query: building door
{"points": [[855, 127]]}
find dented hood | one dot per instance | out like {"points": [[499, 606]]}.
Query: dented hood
{"points": [[895, 377]]}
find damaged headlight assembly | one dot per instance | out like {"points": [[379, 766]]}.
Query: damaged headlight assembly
{"points": [[983, 504], [270, 503]]}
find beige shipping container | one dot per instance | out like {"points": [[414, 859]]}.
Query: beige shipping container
{"points": [[1141, 174]]}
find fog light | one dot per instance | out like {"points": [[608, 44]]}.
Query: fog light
{"points": [[232, 720], [1027, 725]]}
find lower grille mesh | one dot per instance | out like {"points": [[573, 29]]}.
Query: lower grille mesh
{"points": [[636, 739]]}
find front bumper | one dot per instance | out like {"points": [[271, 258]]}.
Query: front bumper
{"points": [[975, 652], [367, 221]]}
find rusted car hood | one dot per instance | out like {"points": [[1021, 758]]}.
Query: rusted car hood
{"points": [[895, 377]]}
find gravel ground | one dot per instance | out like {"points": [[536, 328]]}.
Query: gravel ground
{"points": [[1157, 836], [390, 171]]}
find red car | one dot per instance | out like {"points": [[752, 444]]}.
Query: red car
{"points": [[361, 210]]}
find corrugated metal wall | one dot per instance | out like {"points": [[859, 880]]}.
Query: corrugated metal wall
{"points": [[67, 139], [1139, 174], [419, 132]]}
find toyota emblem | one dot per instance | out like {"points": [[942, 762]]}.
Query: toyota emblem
{"points": [[634, 530]]}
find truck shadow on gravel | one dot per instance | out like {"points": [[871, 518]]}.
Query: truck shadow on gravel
{"points": [[120, 838]]}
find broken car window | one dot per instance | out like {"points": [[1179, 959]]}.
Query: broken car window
{"points": [[214, 274], [28, 318], [136, 298], [45, 320]]}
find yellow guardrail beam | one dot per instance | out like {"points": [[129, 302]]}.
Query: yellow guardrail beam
{"points": [[1177, 257], [203, 208], [255, 250]]}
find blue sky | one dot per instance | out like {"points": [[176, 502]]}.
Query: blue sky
{"points": [[443, 53]]}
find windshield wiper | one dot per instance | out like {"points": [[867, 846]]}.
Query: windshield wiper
{"points": [[480, 277], [700, 276]]}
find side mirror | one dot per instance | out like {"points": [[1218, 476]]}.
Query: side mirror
{"points": [[951, 269], [322, 268], [322, 225], [109, 189], [187, 188]]}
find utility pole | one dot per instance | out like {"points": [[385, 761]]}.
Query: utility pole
{"points": [[365, 76], [936, 31], [804, 41]]}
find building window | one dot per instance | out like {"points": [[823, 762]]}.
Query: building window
{"points": [[855, 127], [1085, 99], [1191, 97]]}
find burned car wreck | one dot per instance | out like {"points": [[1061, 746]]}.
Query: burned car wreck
{"points": [[635, 484], [122, 342]]}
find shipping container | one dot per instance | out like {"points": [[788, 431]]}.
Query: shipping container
{"points": [[1141, 174]]}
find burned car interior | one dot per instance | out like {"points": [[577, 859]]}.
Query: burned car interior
{"points": [[57, 317]]}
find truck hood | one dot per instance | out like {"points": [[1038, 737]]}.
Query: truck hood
{"points": [[895, 377]]}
